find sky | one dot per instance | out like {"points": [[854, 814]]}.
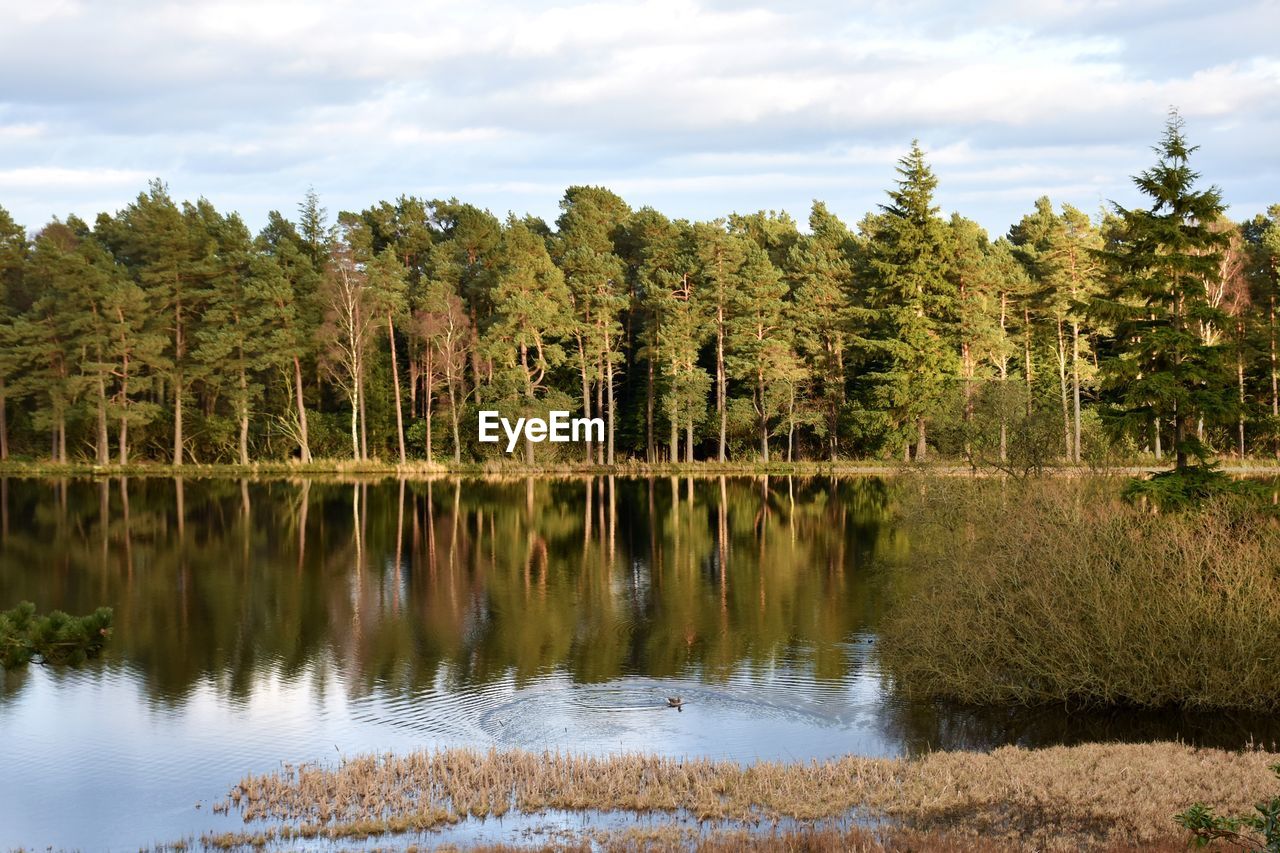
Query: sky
{"points": [[696, 108]]}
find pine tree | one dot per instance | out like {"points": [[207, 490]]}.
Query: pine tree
{"points": [[388, 281], [758, 350], [914, 300], [820, 269], [300, 314], [153, 238], [584, 250], [1160, 260], [1062, 253], [67, 335], [531, 315], [720, 256], [13, 258], [247, 332]]}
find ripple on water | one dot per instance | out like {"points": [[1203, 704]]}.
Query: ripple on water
{"points": [[731, 719]]}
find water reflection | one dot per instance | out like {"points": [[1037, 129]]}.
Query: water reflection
{"points": [[398, 582], [268, 621]]}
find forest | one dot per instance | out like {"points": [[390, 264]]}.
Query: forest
{"points": [[168, 332]]}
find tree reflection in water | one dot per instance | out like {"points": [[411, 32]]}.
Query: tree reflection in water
{"points": [[396, 583]]}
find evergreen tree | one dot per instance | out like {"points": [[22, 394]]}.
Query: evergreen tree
{"points": [[585, 252], [247, 334], [657, 252], [720, 256], [13, 258], [55, 328], [153, 238], [532, 315], [820, 269], [758, 349], [299, 313], [1062, 253], [914, 301], [1160, 260]]}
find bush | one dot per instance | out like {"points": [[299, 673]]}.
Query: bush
{"points": [[56, 638], [1184, 488], [1207, 827], [1043, 592]]}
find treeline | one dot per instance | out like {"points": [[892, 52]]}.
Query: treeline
{"points": [[170, 332]]}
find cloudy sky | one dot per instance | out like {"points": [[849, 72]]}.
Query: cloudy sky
{"points": [[697, 107]]}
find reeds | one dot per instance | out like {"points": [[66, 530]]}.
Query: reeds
{"points": [[1064, 797], [1056, 592]]}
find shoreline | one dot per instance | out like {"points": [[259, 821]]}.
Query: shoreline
{"points": [[701, 470], [1084, 797]]}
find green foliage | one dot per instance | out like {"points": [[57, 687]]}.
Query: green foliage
{"points": [[1206, 826], [1159, 259], [1190, 486], [167, 331], [913, 300], [55, 638]]}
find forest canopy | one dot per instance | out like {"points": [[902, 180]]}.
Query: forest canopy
{"points": [[169, 332]]}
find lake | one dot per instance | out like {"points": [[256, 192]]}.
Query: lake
{"points": [[261, 622]]}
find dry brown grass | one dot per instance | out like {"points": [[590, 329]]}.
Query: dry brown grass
{"points": [[1059, 592], [1092, 796]]}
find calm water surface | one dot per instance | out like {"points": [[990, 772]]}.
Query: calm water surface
{"points": [[296, 621]]}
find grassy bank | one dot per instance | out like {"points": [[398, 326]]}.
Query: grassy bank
{"points": [[1084, 797], [1039, 594], [425, 470]]}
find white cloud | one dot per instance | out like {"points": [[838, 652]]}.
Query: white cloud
{"points": [[59, 178], [695, 104]]}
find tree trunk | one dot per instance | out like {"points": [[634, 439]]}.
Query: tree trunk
{"points": [[675, 439], [428, 403], [586, 398], [103, 451], [1026, 345], [922, 446], [721, 407], [608, 378], [688, 440], [244, 413], [177, 418], [355, 421], [4, 422], [302, 410], [453, 417], [524, 365], [764, 420], [599, 405], [1075, 384], [649, 449], [1240, 382], [124, 411], [1062, 387], [791, 424], [395, 382], [1275, 371], [415, 369], [364, 415]]}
